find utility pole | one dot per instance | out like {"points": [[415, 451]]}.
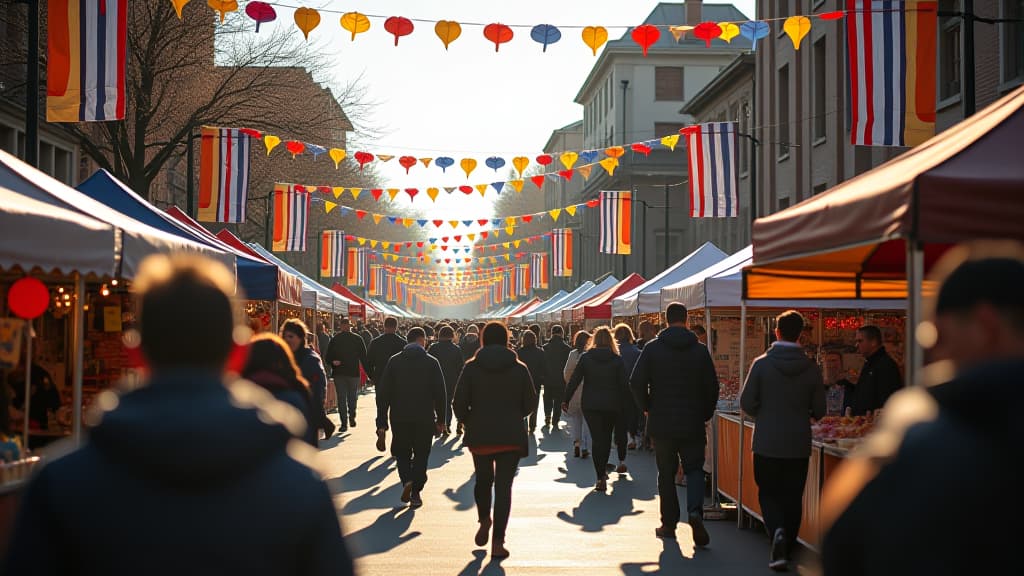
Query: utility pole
{"points": [[625, 85], [32, 87], [667, 256], [968, 98]]}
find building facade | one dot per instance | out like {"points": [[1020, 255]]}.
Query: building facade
{"points": [[561, 193]]}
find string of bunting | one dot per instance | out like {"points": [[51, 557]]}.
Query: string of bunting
{"points": [[442, 243]]}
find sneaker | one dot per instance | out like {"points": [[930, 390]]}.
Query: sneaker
{"points": [[609, 467], [447, 430], [700, 533], [547, 421], [482, 533], [622, 468], [381, 445], [407, 492], [459, 429], [414, 499], [777, 557], [665, 532], [342, 427]]}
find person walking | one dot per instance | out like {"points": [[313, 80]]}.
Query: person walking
{"points": [[493, 397], [879, 376], [602, 398], [366, 335], [323, 339], [190, 452], [450, 358], [271, 365], [783, 392], [312, 369], [627, 436], [648, 332], [382, 348], [410, 394], [556, 354], [574, 409], [345, 355], [675, 384], [533, 356], [470, 342]]}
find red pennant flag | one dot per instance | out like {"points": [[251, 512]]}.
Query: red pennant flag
{"points": [[412, 192], [408, 244], [377, 193], [528, 218], [324, 189], [437, 223], [447, 260], [538, 181], [567, 174], [593, 203], [484, 234], [360, 214], [483, 222], [457, 238], [419, 244], [444, 239], [641, 148]]}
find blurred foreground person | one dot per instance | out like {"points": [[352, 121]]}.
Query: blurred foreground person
{"points": [[194, 473], [902, 504], [493, 396], [271, 366]]}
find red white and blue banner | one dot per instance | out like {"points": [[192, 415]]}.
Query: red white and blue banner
{"points": [[561, 252], [711, 149], [85, 67], [223, 174], [891, 47], [523, 279], [539, 273], [291, 215], [616, 220], [332, 254]]}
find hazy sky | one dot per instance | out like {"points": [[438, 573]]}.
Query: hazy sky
{"points": [[468, 100]]}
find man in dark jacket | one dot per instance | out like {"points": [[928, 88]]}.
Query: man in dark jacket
{"points": [[366, 335], [879, 377], [344, 356], [450, 358], [383, 348], [556, 353], [186, 454], [783, 391], [533, 356], [470, 342], [412, 390], [966, 415], [675, 384]]}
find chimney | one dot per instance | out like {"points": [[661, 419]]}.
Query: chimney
{"points": [[693, 12]]}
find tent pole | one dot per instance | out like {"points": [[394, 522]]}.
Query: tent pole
{"points": [[715, 503], [79, 351], [26, 407], [914, 361], [742, 371]]}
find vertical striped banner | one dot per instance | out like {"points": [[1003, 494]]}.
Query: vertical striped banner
{"points": [[291, 214], [711, 149], [616, 221], [539, 273], [332, 254], [391, 288], [524, 279], [561, 252], [355, 267], [223, 174], [86, 60], [512, 282], [891, 47], [376, 279]]}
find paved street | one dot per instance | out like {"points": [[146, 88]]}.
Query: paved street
{"points": [[558, 526]]}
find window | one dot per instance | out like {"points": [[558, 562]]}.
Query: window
{"points": [[819, 188], [820, 100], [782, 113], [611, 92], [1013, 41], [783, 203], [668, 83], [949, 52], [666, 129]]}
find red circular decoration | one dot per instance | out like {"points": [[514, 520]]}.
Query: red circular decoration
{"points": [[28, 298]]}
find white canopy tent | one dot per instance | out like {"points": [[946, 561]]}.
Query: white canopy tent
{"points": [[555, 314], [646, 298], [528, 315]]}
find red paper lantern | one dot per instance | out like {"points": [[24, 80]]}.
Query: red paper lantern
{"points": [[28, 298]]}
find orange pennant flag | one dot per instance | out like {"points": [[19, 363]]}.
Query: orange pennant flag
{"points": [[454, 223], [385, 157], [517, 184], [481, 188], [407, 222], [433, 192], [392, 192], [585, 171], [426, 162], [377, 218]]}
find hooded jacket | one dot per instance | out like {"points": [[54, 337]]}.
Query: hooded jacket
{"points": [[674, 380], [450, 358], [783, 392], [605, 374], [381, 350], [411, 388], [556, 353], [493, 397], [347, 348], [183, 476], [533, 357]]}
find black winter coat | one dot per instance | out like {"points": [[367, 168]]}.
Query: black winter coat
{"points": [[493, 397], [348, 349], [469, 344], [450, 358], [605, 374], [186, 454], [411, 388], [534, 359], [381, 350], [674, 380], [556, 353], [879, 378]]}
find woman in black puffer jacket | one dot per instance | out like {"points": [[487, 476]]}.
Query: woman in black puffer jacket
{"points": [[604, 395]]}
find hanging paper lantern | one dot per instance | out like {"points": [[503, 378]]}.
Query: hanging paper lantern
{"points": [[337, 154], [545, 159], [568, 159], [797, 27], [363, 158], [707, 31], [270, 141], [28, 298], [178, 5], [355, 23], [295, 147], [645, 36], [729, 31], [754, 31], [468, 165], [448, 31], [261, 12], [412, 192], [831, 15], [444, 162], [545, 34], [595, 37], [407, 162], [466, 189], [641, 148], [223, 7], [307, 19], [520, 163], [398, 26], [498, 33], [494, 162], [615, 151], [609, 165], [432, 193]]}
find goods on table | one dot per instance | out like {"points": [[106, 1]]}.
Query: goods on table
{"points": [[833, 428], [729, 388]]}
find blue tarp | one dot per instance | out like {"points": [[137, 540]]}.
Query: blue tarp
{"points": [[258, 279]]}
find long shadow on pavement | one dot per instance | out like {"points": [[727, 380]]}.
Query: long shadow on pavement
{"points": [[375, 498], [463, 495], [386, 533], [598, 510], [444, 451], [578, 471], [362, 477], [476, 566]]}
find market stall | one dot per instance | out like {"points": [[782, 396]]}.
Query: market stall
{"points": [[360, 309], [563, 313], [520, 309], [597, 310], [530, 316], [646, 298]]}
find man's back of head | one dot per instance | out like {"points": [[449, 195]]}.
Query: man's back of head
{"points": [[675, 314], [390, 325]]}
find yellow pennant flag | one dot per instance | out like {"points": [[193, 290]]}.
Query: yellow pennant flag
{"points": [[433, 192], [510, 230], [337, 154], [377, 218], [362, 241], [338, 191], [392, 192], [481, 188], [670, 141], [678, 31], [330, 206], [505, 245], [585, 171], [454, 223], [471, 237], [508, 257], [426, 162], [497, 233], [571, 210], [517, 243], [385, 245], [609, 165], [408, 222], [373, 243], [517, 184], [355, 192], [568, 159], [433, 246], [555, 213]]}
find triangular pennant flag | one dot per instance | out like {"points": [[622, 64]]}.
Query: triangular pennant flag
{"points": [[538, 180], [422, 223], [432, 193], [571, 210], [377, 217], [360, 214], [508, 257], [517, 243], [408, 222], [337, 191], [385, 245], [330, 206], [567, 174], [467, 223], [377, 193], [454, 223], [678, 31], [517, 185], [481, 188], [458, 238], [505, 245], [385, 157], [585, 171], [362, 241], [498, 186], [450, 189], [483, 222], [471, 237], [609, 165], [412, 192], [392, 192], [555, 213], [670, 141], [355, 192], [373, 243], [484, 234], [593, 203], [426, 162]]}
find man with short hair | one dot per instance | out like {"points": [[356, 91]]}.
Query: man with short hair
{"points": [[383, 348], [344, 355], [556, 353], [323, 338], [188, 453], [450, 358], [675, 384], [411, 389], [879, 377], [783, 392], [965, 415]]}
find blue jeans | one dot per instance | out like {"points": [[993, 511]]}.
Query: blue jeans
{"points": [[668, 452], [347, 388]]}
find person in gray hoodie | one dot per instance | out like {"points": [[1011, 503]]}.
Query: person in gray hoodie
{"points": [[783, 391]]}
